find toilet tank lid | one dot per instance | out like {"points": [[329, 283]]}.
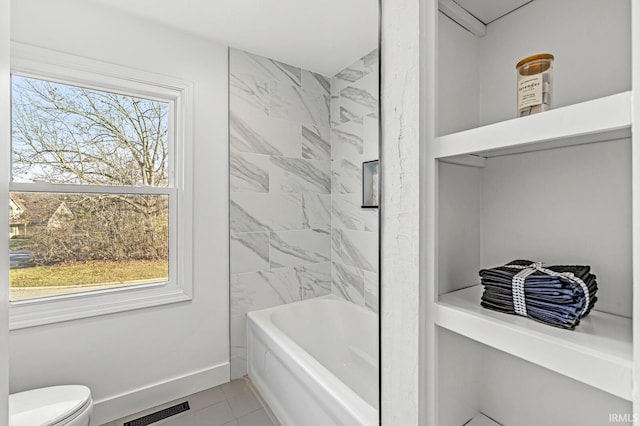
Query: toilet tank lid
{"points": [[47, 406]]}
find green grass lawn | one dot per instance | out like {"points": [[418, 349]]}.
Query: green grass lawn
{"points": [[18, 243], [93, 272]]}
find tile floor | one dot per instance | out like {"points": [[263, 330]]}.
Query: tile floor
{"points": [[236, 403]]}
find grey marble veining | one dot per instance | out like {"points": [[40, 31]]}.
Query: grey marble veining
{"points": [[335, 243], [347, 139], [352, 73], [347, 77], [256, 212], [298, 175], [334, 108], [248, 172], [295, 248], [287, 227], [249, 252], [292, 73], [357, 248], [346, 114], [347, 213], [341, 113], [371, 286], [371, 136], [316, 210], [346, 177], [259, 134], [249, 93], [316, 142], [356, 102], [247, 65], [315, 83], [260, 290], [354, 139], [370, 62], [294, 104], [314, 279], [280, 182], [244, 138], [348, 283], [370, 83], [241, 220]]}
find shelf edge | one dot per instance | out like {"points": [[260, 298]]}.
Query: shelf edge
{"points": [[602, 371], [590, 121]]}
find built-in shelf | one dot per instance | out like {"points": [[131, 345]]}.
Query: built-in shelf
{"points": [[481, 420], [570, 198], [602, 119], [598, 352]]}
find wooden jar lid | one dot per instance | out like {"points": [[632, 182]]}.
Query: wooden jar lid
{"points": [[534, 58]]}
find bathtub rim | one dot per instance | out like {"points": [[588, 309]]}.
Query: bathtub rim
{"points": [[275, 339]]}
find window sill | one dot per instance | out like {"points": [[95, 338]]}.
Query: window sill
{"points": [[36, 312]]}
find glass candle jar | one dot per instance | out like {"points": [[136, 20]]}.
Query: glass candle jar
{"points": [[535, 83]]}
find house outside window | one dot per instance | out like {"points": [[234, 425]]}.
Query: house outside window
{"points": [[17, 224], [100, 194]]}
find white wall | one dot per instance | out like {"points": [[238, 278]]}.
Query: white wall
{"points": [[118, 355], [458, 87], [604, 31], [4, 219]]}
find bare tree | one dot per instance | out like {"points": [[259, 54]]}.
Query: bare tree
{"points": [[66, 134]]}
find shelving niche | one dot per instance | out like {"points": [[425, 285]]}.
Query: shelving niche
{"points": [[511, 391], [553, 187]]}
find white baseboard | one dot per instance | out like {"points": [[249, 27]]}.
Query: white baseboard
{"points": [[140, 399]]}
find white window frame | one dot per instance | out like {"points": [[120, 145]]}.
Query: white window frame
{"points": [[35, 62]]}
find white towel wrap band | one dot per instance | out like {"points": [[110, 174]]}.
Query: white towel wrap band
{"points": [[517, 285]]}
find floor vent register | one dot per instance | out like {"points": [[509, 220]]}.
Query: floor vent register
{"points": [[159, 415]]}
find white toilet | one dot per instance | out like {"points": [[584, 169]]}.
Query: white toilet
{"points": [[69, 405]]}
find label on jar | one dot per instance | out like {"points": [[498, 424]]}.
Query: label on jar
{"points": [[530, 91]]}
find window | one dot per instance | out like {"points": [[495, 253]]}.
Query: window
{"points": [[99, 194]]}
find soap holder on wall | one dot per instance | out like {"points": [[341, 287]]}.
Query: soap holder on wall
{"points": [[370, 187]]}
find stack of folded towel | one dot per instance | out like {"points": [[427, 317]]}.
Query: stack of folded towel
{"points": [[556, 295]]}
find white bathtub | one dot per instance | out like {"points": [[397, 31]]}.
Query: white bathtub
{"points": [[315, 362]]}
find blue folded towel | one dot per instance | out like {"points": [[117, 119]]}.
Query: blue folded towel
{"points": [[555, 295]]}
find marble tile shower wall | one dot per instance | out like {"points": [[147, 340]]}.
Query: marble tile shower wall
{"points": [[354, 140], [297, 143], [280, 189]]}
